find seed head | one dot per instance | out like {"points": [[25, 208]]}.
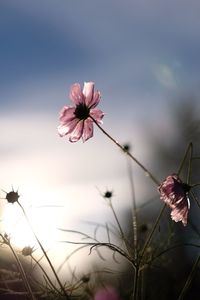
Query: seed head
{"points": [[108, 194], [12, 197]]}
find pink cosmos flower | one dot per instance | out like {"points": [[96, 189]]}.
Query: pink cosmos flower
{"points": [[175, 194], [76, 121], [107, 294]]}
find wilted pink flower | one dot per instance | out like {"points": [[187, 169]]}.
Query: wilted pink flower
{"points": [[175, 194], [107, 294], [76, 121]]}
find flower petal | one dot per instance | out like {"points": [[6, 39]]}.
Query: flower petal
{"points": [[77, 132], [76, 94], [97, 114], [67, 114], [95, 99], [88, 92], [175, 194], [171, 190], [180, 212], [68, 127], [88, 130]]}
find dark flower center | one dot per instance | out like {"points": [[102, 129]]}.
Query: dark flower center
{"points": [[108, 194], [12, 197], [186, 187], [82, 111]]}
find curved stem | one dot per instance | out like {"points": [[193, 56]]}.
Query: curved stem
{"points": [[147, 172], [43, 250], [21, 269], [45, 273], [195, 198], [194, 185]]}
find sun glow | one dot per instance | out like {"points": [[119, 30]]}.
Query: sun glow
{"points": [[42, 218]]}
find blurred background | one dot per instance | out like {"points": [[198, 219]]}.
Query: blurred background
{"points": [[144, 58]]}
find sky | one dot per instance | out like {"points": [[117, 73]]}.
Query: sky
{"points": [[142, 56]]}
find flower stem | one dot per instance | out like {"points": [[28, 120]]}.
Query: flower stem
{"points": [[195, 198], [119, 226], [135, 286], [45, 273], [195, 184], [152, 232], [134, 210], [189, 148], [147, 172], [43, 250], [190, 165], [189, 279], [20, 267]]}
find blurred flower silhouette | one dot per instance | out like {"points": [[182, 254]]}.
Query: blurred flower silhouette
{"points": [[175, 194], [107, 294], [78, 121], [26, 251]]}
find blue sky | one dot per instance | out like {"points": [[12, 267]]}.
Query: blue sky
{"points": [[131, 49], [141, 55]]}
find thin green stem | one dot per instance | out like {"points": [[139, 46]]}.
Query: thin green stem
{"points": [[184, 158], [147, 172], [135, 286], [152, 232], [190, 165], [172, 248], [194, 185], [195, 198], [189, 279], [119, 226], [43, 250], [134, 210], [21, 269], [45, 273]]}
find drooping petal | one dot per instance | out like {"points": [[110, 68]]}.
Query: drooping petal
{"points": [[175, 194], [76, 94], [88, 92], [67, 114], [77, 132], [88, 130], [66, 128], [180, 212], [97, 114], [171, 190]]}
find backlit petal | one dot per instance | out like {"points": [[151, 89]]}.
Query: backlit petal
{"points": [[175, 194], [76, 94], [95, 99], [97, 114], [180, 212], [67, 114], [65, 128], [88, 91], [88, 130], [77, 132]]}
